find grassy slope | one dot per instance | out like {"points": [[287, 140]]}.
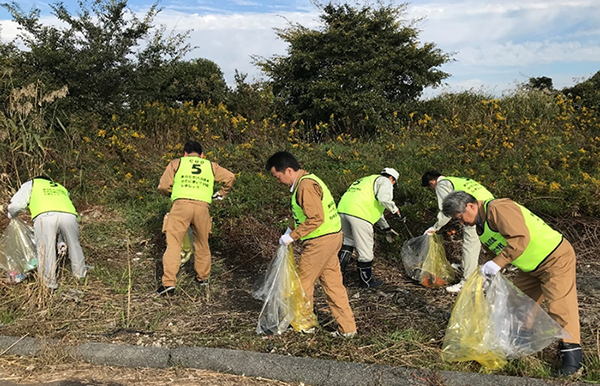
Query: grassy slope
{"points": [[543, 157]]}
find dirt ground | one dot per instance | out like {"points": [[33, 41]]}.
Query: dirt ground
{"points": [[27, 371], [400, 323]]}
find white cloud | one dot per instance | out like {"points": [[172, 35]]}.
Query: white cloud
{"points": [[466, 22], [9, 30], [230, 40], [498, 43], [495, 43], [528, 53]]}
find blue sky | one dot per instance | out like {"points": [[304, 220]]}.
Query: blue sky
{"points": [[495, 45]]}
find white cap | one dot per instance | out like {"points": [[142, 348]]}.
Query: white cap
{"points": [[392, 172]]}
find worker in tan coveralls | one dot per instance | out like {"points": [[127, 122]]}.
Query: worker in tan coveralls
{"points": [[545, 258], [189, 181], [318, 224]]}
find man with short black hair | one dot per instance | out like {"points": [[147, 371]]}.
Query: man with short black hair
{"points": [[52, 212], [442, 186], [545, 258], [360, 208], [189, 182], [317, 223]]}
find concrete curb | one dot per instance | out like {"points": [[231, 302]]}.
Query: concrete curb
{"points": [[310, 371]]}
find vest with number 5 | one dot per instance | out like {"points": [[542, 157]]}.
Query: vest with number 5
{"points": [[194, 180]]}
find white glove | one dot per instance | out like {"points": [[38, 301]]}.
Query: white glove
{"points": [[217, 196], [286, 239], [9, 215], [61, 248], [489, 269], [430, 231]]}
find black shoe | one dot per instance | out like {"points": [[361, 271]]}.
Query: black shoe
{"points": [[572, 357], [373, 283], [162, 290], [345, 255], [202, 282], [366, 276]]}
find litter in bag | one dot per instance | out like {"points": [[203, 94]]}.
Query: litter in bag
{"points": [[464, 340], [17, 248], [187, 246], [424, 260], [497, 324], [518, 325], [283, 296]]}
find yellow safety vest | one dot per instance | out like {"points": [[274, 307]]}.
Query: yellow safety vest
{"points": [[194, 180], [543, 240], [474, 188], [49, 196], [332, 223], [360, 201]]}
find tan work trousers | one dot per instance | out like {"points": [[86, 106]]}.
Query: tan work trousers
{"points": [[319, 261], [554, 280], [186, 213]]}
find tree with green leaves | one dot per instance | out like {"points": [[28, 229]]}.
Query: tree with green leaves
{"points": [[586, 93], [107, 57], [540, 83], [251, 100], [355, 70], [197, 80]]}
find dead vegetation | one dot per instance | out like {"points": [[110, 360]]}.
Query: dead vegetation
{"points": [[401, 323], [46, 370]]}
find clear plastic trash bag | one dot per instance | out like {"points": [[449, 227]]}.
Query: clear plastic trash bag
{"points": [[283, 296], [497, 324], [518, 325], [17, 248], [424, 260], [187, 246]]}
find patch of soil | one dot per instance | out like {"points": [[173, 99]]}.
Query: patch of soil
{"points": [[28, 371]]}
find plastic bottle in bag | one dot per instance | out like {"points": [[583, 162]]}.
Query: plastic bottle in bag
{"points": [[31, 264], [16, 277]]}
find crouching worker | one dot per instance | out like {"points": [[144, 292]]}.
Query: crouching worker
{"points": [[471, 246], [545, 258], [360, 208], [189, 181], [318, 225], [52, 212]]}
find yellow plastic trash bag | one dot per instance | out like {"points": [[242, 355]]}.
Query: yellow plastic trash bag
{"points": [[187, 246], [499, 323], [283, 296], [464, 340], [424, 260]]}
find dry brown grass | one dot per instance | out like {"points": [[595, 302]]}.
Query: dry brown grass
{"points": [[401, 323], [45, 370]]}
